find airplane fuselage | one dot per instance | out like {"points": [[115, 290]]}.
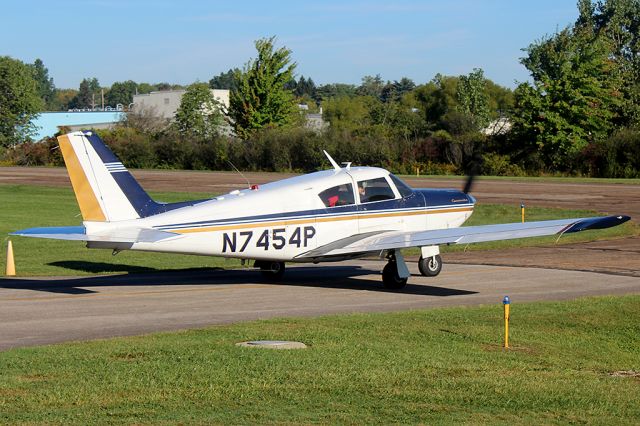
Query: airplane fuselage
{"points": [[284, 220]]}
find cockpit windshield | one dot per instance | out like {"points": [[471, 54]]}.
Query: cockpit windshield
{"points": [[404, 189]]}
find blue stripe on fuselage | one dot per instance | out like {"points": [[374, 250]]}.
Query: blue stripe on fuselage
{"points": [[414, 202]]}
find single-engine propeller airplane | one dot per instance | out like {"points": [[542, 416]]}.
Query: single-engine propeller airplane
{"points": [[330, 215]]}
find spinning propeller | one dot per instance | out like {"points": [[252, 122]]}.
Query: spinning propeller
{"points": [[473, 169]]}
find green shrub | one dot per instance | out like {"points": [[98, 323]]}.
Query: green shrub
{"points": [[134, 148], [172, 152], [297, 149], [615, 157], [44, 153], [499, 165]]}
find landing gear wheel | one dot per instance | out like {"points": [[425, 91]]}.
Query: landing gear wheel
{"points": [[272, 270], [390, 278], [431, 266]]}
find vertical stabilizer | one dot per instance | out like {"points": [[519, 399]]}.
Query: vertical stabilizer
{"points": [[104, 188]]}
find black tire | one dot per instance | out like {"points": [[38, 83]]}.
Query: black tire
{"points": [[272, 270], [431, 266], [390, 278]]}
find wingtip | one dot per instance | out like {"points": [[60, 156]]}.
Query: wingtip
{"points": [[598, 223]]}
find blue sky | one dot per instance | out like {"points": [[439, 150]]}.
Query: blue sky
{"points": [[332, 41]]}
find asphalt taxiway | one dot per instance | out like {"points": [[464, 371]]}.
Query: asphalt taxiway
{"points": [[35, 311]]}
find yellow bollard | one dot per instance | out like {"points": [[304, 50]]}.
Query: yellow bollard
{"points": [[522, 211], [11, 266], [506, 302]]}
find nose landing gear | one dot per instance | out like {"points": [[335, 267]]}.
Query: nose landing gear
{"points": [[430, 266]]}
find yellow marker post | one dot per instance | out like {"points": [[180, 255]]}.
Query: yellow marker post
{"points": [[522, 211], [11, 266], [506, 302]]}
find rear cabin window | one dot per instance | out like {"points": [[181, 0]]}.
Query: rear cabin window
{"points": [[375, 190], [341, 195]]}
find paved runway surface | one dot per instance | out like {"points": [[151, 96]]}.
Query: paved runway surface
{"points": [[41, 311]]}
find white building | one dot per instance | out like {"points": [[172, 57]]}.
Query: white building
{"points": [[165, 103], [498, 127]]}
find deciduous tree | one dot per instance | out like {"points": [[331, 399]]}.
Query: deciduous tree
{"points": [[472, 98], [371, 86], [618, 21], [199, 113], [335, 90], [121, 92], [224, 80], [64, 98], [88, 93], [19, 101], [46, 88], [574, 99], [260, 98], [436, 98]]}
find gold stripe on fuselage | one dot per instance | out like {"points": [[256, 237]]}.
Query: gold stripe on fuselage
{"points": [[89, 206], [316, 220]]}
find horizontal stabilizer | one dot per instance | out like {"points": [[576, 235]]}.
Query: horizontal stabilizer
{"points": [[78, 233], [465, 235]]}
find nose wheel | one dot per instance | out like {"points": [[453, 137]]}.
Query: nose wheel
{"points": [[430, 266]]}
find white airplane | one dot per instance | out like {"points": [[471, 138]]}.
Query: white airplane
{"points": [[326, 216]]}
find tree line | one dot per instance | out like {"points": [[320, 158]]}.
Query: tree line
{"points": [[579, 114]]}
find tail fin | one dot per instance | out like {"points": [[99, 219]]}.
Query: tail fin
{"points": [[104, 188]]}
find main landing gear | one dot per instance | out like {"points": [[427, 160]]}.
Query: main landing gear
{"points": [[271, 270], [395, 273]]}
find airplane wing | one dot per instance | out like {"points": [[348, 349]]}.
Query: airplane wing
{"points": [[464, 235], [78, 233]]}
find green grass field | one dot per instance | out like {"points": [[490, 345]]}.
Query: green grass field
{"points": [[429, 366], [31, 206]]}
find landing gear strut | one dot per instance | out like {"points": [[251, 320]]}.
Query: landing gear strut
{"points": [[270, 269], [395, 272]]}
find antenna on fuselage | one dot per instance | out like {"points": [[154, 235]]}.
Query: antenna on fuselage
{"points": [[236, 169], [332, 161]]}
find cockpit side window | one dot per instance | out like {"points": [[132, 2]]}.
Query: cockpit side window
{"points": [[341, 195], [375, 190], [404, 189]]}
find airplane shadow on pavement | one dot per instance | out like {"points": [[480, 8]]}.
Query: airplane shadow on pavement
{"points": [[330, 277]]}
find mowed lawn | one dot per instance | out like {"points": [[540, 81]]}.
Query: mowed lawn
{"points": [[23, 206], [570, 362]]}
